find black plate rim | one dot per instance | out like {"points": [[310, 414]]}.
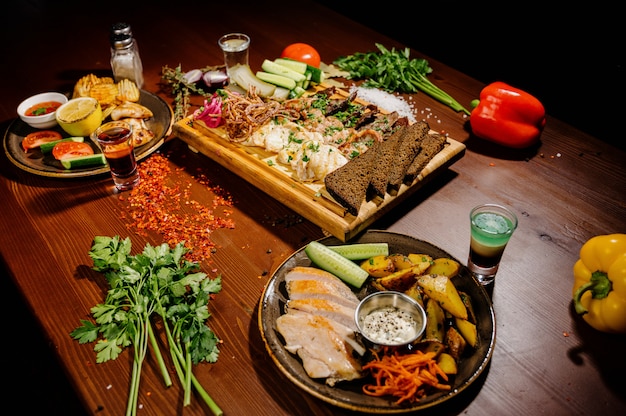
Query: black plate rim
{"points": [[163, 111], [275, 347]]}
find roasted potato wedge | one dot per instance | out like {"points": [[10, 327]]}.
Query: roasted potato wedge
{"points": [[467, 301], [421, 262], [378, 266], [447, 363], [415, 291], [401, 261], [434, 346], [435, 329], [455, 343], [444, 266], [441, 288], [399, 281], [467, 330]]}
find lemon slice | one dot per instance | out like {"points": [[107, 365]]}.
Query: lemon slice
{"points": [[80, 116]]}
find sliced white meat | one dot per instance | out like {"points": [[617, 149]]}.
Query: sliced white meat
{"points": [[326, 308], [310, 282], [324, 351], [318, 289]]}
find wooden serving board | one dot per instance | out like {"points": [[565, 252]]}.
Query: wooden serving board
{"points": [[311, 200]]}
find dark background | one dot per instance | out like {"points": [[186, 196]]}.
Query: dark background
{"points": [[571, 58]]}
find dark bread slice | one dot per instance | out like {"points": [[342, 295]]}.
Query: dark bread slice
{"points": [[408, 148], [386, 155], [432, 144], [348, 184]]}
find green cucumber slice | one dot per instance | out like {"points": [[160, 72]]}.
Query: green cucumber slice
{"points": [[297, 92], [84, 161], [274, 68], [299, 67], [335, 263], [317, 75], [361, 251], [277, 80], [46, 148]]}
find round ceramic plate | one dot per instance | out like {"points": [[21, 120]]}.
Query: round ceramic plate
{"points": [[349, 395], [35, 162]]}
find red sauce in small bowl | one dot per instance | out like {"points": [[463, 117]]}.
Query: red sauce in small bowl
{"points": [[42, 108]]}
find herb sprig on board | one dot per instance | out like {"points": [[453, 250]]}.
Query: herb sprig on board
{"points": [[181, 89], [395, 71], [158, 283]]}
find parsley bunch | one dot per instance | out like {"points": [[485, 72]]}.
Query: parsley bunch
{"points": [[158, 283], [394, 71]]}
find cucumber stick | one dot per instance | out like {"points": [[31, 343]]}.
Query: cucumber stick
{"points": [[297, 92], [313, 74], [278, 69], [317, 75], [84, 161], [292, 64], [46, 148], [361, 251], [278, 80], [333, 262]]}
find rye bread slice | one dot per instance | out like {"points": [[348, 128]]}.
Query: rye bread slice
{"points": [[408, 148], [348, 184], [432, 144], [386, 154]]}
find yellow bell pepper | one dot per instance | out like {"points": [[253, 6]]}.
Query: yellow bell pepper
{"points": [[599, 291]]}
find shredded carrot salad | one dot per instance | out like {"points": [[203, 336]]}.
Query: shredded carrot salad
{"points": [[405, 376]]}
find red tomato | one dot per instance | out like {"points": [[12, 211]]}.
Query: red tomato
{"points": [[303, 53], [37, 138], [68, 150]]}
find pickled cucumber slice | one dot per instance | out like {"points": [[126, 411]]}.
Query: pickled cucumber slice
{"points": [[333, 262]]}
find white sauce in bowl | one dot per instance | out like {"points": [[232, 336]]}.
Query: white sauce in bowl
{"points": [[389, 325]]}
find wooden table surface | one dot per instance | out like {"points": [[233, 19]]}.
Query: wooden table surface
{"points": [[570, 188]]}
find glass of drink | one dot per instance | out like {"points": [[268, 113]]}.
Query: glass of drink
{"points": [[115, 140], [491, 228], [235, 48]]}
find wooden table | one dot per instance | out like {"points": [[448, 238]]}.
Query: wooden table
{"points": [[572, 187]]}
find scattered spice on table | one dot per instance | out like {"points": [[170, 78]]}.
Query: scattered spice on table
{"points": [[162, 203]]}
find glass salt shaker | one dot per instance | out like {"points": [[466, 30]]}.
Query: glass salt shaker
{"points": [[125, 59]]}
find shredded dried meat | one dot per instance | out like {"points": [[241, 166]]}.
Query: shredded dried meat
{"points": [[243, 114]]}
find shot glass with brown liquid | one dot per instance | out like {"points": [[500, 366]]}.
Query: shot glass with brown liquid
{"points": [[115, 140]]}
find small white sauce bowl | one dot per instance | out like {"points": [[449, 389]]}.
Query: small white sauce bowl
{"points": [[45, 121], [399, 303]]}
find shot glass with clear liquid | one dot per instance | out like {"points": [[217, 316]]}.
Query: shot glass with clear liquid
{"points": [[491, 229], [115, 140], [235, 47]]}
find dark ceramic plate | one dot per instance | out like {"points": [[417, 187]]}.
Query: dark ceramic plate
{"points": [[34, 162], [348, 395]]}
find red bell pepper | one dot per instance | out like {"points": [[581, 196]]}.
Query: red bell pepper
{"points": [[508, 116]]}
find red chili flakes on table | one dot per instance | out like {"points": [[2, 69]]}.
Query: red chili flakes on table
{"points": [[162, 203]]}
